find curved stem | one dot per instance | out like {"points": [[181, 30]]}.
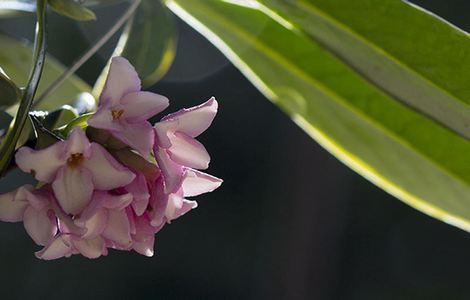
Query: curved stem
{"points": [[39, 56], [88, 54]]}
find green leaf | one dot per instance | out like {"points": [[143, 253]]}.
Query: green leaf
{"points": [[416, 57], [15, 59], [148, 42], [72, 9], [151, 41], [9, 92], [395, 147]]}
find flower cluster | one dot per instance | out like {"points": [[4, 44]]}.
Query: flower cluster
{"points": [[117, 184]]}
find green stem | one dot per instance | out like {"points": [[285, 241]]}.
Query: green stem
{"points": [[39, 55]]}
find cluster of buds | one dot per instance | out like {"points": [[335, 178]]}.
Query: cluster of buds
{"points": [[117, 183]]}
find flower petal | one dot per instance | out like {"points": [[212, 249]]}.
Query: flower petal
{"points": [[14, 203], [57, 248], [117, 202], [96, 224], [77, 143], [171, 171], [195, 120], [140, 193], [91, 247], [139, 136], [177, 206], [118, 229], [73, 188], [103, 119], [188, 152], [106, 171], [40, 225], [196, 183], [122, 79], [141, 106], [43, 163]]}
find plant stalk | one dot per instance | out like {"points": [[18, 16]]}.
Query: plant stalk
{"points": [[39, 55]]}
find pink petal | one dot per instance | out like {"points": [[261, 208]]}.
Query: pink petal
{"points": [[91, 247], [188, 152], [65, 222], [13, 204], [141, 106], [162, 130], [144, 239], [177, 206], [77, 143], [140, 193], [195, 120], [139, 136], [145, 245], [40, 225], [96, 224], [73, 188], [122, 79], [103, 119], [43, 163], [171, 171], [196, 183], [118, 229], [57, 248], [106, 171], [117, 202]]}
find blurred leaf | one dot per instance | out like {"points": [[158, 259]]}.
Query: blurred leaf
{"points": [[9, 92], [5, 120], [11, 8], [394, 146], [72, 9], [59, 117], [148, 42], [416, 57], [15, 59]]}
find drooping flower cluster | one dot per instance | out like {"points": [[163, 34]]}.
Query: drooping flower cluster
{"points": [[119, 183]]}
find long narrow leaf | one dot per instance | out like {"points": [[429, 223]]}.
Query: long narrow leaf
{"points": [[397, 148]]}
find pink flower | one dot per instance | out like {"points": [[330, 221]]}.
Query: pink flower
{"points": [[76, 168], [124, 109], [175, 146], [33, 208]]}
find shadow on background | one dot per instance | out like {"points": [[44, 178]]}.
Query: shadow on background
{"points": [[290, 221]]}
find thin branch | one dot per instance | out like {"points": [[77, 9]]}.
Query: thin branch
{"points": [[39, 56], [88, 54]]}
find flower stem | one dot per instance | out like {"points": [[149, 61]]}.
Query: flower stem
{"points": [[39, 56], [88, 54]]}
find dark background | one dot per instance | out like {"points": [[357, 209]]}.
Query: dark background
{"points": [[289, 222]]}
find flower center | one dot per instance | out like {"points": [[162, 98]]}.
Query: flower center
{"points": [[75, 160], [117, 114]]}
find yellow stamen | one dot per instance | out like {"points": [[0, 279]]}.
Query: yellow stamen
{"points": [[74, 160]]}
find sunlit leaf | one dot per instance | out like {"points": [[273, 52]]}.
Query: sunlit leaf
{"points": [[72, 9], [394, 146], [419, 59], [15, 59]]}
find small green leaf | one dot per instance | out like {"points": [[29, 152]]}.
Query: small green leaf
{"points": [[15, 59], [9, 92], [59, 117], [72, 9]]}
